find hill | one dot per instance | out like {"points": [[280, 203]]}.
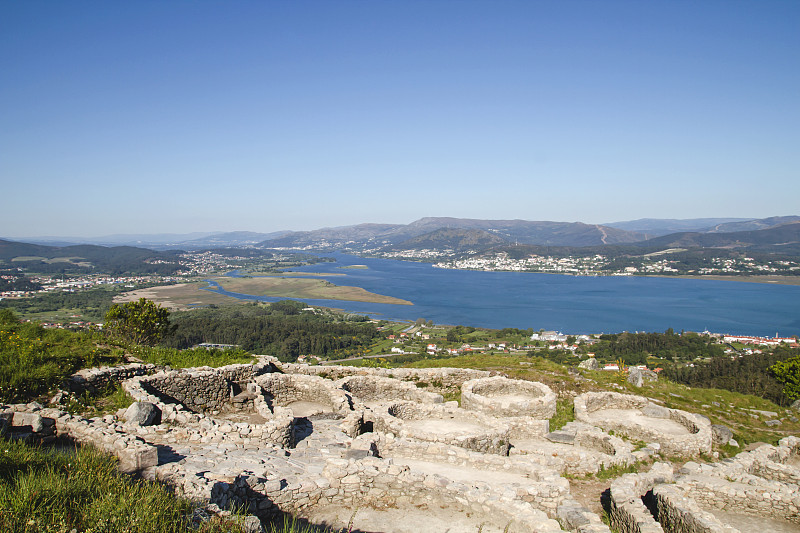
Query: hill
{"points": [[657, 227], [459, 240], [375, 236], [86, 257], [784, 238]]}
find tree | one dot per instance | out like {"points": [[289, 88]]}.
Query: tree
{"points": [[452, 335], [788, 373], [140, 322]]}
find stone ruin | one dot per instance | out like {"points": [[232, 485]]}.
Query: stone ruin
{"points": [[678, 433], [381, 450], [501, 396]]}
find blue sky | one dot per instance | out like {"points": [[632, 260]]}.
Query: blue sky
{"points": [[151, 117]]}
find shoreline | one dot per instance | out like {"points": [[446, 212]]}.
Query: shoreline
{"points": [[768, 279]]}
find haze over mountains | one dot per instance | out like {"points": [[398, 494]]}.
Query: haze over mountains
{"points": [[781, 233]]}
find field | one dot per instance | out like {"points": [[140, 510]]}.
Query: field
{"points": [[188, 295], [303, 288], [178, 297]]}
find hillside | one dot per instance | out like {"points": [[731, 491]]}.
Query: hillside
{"points": [[784, 238], [371, 236], [86, 257], [459, 240]]}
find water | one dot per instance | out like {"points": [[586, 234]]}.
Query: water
{"points": [[572, 304]]}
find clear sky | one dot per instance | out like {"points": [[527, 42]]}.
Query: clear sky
{"points": [[179, 116]]}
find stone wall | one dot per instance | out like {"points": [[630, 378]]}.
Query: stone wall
{"points": [[95, 379], [377, 388], [679, 514], [545, 491], [697, 441], [185, 424], [134, 454], [203, 389], [726, 487], [628, 512], [285, 389], [374, 483], [437, 379], [500, 396], [481, 433]]}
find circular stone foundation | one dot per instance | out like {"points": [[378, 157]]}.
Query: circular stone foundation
{"points": [[500, 396], [445, 424], [678, 432], [308, 395], [376, 389]]}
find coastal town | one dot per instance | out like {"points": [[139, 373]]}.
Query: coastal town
{"points": [[600, 265]]}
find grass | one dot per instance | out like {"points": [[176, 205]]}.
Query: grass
{"points": [[52, 491], [34, 360], [565, 412], [191, 358], [107, 401]]}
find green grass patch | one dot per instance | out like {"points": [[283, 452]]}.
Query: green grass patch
{"points": [[192, 357], [107, 401], [565, 412], [34, 360], [52, 491]]}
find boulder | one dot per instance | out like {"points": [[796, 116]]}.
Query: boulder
{"points": [[590, 364], [721, 434], [655, 411], [637, 376], [795, 406], [143, 414]]}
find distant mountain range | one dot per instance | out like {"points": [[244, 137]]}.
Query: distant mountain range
{"points": [[779, 234], [780, 238], [656, 227], [378, 236]]}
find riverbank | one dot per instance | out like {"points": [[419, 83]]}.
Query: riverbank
{"points": [[775, 280]]}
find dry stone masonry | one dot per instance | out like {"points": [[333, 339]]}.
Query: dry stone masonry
{"points": [[380, 448], [677, 432]]}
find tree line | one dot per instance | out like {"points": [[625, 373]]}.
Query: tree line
{"points": [[747, 374], [280, 329]]}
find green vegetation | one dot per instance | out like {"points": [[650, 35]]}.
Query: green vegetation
{"points": [[86, 258], [635, 348], [90, 304], [141, 322], [565, 412], [159, 355], [281, 329], [53, 491], [747, 374], [788, 373], [34, 360]]}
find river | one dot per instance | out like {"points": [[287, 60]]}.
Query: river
{"points": [[572, 304]]}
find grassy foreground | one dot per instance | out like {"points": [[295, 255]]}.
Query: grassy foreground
{"points": [[53, 491]]}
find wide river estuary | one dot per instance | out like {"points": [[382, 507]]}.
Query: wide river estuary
{"points": [[571, 304]]}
